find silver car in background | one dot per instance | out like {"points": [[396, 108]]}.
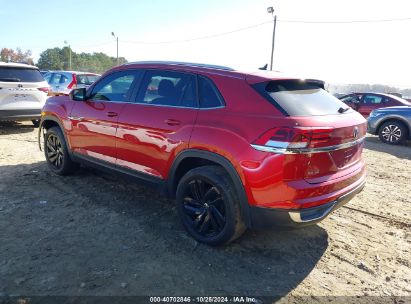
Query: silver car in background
{"points": [[62, 82], [391, 124]]}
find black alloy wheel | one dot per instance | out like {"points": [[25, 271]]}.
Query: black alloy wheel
{"points": [[54, 151], [203, 208], [208, 206]]}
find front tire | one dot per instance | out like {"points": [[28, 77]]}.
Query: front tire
{"points": [[392, 132], [36, 123], [208, 206], [57, 156]]}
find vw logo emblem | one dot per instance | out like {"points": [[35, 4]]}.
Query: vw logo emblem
{"points": [[355, 133]]}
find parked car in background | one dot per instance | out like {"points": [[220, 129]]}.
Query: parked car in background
{"points": [[367, 102], [392, 124], [23, 92], [62, 82], [43, 73], [234, 149]]}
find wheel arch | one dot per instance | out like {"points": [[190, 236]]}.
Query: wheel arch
{"points": [[203, 158], [49, 121]]}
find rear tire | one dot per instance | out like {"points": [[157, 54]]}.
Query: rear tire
{"points": [[392, 132], [208, 206], [57, 156]]}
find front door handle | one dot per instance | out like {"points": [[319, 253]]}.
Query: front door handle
{"points": [[77, 118], [172, 122], [112, 114]]}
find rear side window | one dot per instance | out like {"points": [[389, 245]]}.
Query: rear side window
{"points": [[372, 99], [86, 79], [167, 88], [209, 95], [303, 98], [13, 74], [58, 79]]}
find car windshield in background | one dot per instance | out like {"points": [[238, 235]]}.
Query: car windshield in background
{"points": [[301, 98], [13, 74], [86, 79]]}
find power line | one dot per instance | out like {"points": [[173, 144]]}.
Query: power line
{"points": [[198, 38], [347, 21], [263, 23]]}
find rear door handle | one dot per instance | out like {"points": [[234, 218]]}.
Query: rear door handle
{"points": [[112, 114], [172, 122]]}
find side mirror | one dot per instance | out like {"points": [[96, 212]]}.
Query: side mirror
{"points": [[78, 94]]}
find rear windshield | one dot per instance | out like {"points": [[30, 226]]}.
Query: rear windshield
{"points": [[12, 74], [86, 79], [304, 98]]}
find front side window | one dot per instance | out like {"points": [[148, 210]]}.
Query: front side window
{"points": [[167, 88], [349, 98], [115, 87]]}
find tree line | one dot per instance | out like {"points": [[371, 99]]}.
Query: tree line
{"points": [[371, 88], [59, 59]]}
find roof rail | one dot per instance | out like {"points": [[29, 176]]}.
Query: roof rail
{"points": [[199, 65]]}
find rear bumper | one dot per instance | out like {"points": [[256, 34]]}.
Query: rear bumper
{"points": [[23, 114], [262, 218]]}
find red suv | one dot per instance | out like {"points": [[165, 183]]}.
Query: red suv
{"points": [[235, 150]]}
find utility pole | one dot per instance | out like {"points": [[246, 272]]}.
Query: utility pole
{"points": [[116, 37], [65, 42], [270, 10]]}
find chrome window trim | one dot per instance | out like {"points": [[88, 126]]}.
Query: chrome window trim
{"points": [[160, 105], [309, 150]]}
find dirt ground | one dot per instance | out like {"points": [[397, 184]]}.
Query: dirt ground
{"points": [[95, 234]]}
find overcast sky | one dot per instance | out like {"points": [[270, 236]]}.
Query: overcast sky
{"points": [[360, 52]]}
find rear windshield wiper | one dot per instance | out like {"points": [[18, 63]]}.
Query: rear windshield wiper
{"points": [[343, 110], [10, 79]]}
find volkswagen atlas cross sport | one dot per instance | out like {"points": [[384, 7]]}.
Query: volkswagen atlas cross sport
{"points": [[235, 150]]}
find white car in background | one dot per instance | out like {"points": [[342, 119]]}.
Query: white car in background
{"points": [[23, 92]]}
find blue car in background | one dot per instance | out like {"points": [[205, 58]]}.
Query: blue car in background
{"points": [[391, 124]]}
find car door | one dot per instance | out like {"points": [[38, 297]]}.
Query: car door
{"points": [[370, 102], [157, 125], [94, 121]]}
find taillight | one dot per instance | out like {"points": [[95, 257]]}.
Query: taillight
{"points": [[45, 89], [287, 138], [73, 83]]}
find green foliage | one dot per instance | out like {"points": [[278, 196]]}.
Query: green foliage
{"points": [[59, 59]]}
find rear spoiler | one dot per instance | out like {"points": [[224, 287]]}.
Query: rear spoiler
{"points": [[272, 76], [316, 82]]}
